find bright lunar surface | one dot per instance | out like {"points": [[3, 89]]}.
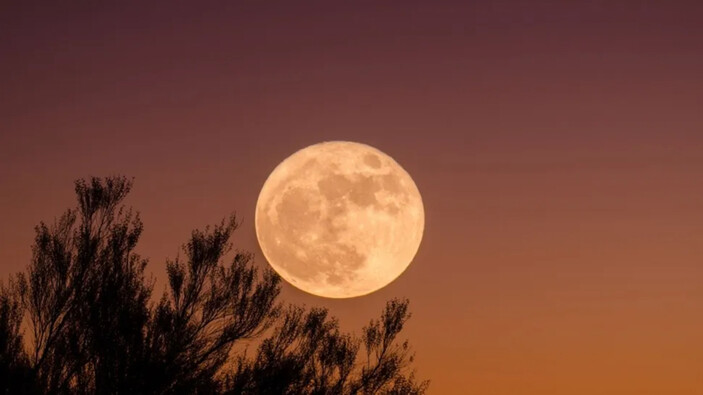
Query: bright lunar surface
{"points": [[339, 219]]}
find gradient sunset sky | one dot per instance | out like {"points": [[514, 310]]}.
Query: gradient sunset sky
{"points": [[558, 147]]}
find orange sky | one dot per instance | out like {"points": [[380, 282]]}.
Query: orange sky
{"points": [[558, 149]]}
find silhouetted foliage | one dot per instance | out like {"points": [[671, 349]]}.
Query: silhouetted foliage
{"points": [[307, 354], [93, 328], [15, 371]]}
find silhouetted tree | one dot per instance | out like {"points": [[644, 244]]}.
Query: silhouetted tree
{"points": [[15, 372], [85, 295], [94, 330], [307, 354], [207, 308]]}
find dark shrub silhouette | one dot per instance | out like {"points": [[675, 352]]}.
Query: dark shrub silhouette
{"points": [[81, 319]]}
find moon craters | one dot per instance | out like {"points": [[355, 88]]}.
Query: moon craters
{"points": [[339, 219]]}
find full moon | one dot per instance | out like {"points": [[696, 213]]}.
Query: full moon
{"points": [[339, 219]]}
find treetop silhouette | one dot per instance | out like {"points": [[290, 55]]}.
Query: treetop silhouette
{"points": [[81, 319]]}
